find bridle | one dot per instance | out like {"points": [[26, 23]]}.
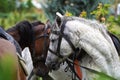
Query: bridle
{"points": [[66, 37], [57, 52], [35, 58], [45, 35]]}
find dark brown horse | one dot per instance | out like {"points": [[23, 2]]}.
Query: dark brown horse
{"points": [[10, 65], [34, 35]]}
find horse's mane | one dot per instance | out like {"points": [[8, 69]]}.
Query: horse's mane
{"points": [[25, 30], [93, 23], [35, 23]]}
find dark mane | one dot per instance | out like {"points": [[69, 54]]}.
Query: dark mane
{"points": [[25, 30], [11, 29], [35, 23]]}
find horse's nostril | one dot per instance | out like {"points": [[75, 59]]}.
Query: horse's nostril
{"points": [[55, 66]]}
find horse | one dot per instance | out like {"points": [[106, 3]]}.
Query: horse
{"points": [[40, 41], [33, 35], [10, 62], [71, 34]]}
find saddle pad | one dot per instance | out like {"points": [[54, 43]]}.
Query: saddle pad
{"points": [[23, 64]]}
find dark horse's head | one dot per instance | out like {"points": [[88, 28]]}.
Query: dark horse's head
{"points": [[34, 35]]}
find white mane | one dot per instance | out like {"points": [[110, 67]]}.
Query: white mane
{"points": [[92, 23]]}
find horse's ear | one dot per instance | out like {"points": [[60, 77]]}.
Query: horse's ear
{"points": [[49, 26], [59, 15], [59, 19]]}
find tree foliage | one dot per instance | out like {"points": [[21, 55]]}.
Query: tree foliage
{"points": [[25, 5], [7, 5], [73, 6]]}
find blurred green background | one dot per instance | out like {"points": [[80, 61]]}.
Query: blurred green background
{"points": [[13, 11], [101, 10]]}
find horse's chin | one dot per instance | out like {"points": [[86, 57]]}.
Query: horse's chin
{"points": [[41, 70], [41, 73]]}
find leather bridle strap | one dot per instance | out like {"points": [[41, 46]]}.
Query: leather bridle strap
{"points": [[70, 43], [43, 35], [55, 53], [60, 38]]}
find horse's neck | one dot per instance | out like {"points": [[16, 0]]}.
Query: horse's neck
{"points": [[97, 44], [85, 34]]}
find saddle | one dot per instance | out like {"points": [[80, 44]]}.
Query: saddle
{"points": [[3, 34], [8, 37]]}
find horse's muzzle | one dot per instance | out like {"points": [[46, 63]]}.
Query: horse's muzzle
{"points": [[41, 70]]}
